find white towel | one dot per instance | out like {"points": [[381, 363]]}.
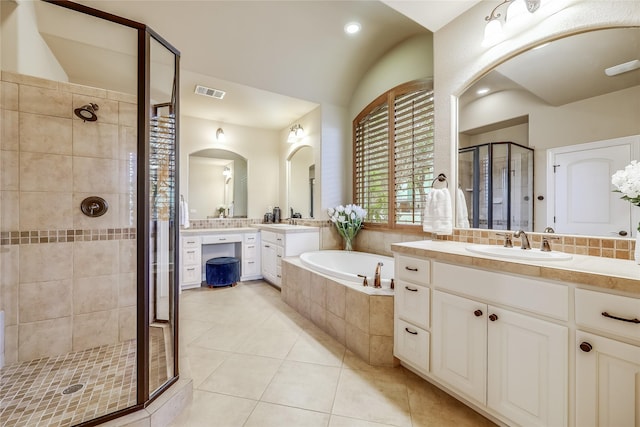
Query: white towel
{"points": [[437, 212], [462, 214], [184, 214]]}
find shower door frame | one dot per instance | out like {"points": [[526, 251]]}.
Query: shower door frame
{"points": [[144, 34]]}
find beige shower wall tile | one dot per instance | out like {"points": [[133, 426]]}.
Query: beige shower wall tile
{"points": [[10, 265], [95, 258], [95, 329], [44, 339], [45, 134], [9, 133], [11, 345], [126, 323], [127, 98], [9, 303], [127, 180], [45, 300], [126, 210], [45, 172], [48, 102], [107, 109], [127, 254], [108, 220], [9, 97], [9, 164], [40, 263], [93, 139], [95, 175], [9, 210], [24, 79], [127, 143], [98, 293], [127, 291], [128, 114], [86, 91], [45, 210]]}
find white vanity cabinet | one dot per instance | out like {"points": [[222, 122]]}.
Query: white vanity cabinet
{"points": [[191, 257], [607, 370], [291, 241], [251, 256], [412, 311]]}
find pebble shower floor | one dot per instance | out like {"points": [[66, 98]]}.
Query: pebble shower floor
{"points": [[31, 393]]}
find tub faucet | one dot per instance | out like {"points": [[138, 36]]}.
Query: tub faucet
{"points": [[523, 239], [376, 278]]}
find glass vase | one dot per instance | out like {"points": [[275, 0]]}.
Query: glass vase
{"points": [[348, 243]]}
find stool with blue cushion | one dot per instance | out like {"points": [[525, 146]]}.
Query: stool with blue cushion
{"points": [[223, 271]]}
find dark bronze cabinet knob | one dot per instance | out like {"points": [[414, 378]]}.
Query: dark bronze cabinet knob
{"points": [[586, 347], [477, 313], [493, 317]]}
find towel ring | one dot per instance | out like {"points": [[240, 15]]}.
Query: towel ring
{"points": [[440, 178]]}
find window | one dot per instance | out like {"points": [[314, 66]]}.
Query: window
{"points": [[393, 156]]}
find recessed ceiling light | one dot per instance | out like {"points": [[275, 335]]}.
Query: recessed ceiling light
{"points": [[352, 28], [483, 91]]}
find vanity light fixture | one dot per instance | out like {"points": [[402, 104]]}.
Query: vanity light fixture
{"points": [[352, 28], [622, 68], [296, 133], [514, 10], [220, 135]]}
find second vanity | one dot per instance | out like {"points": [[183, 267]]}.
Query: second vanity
{"points": [[544, 343]]}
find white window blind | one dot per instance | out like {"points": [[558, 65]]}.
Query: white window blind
{"points": [[393, 156]]}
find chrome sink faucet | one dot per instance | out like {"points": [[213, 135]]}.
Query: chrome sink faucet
{"points": [[524, 240], [376, 278]]}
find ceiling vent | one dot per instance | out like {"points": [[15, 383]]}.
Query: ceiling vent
{"points": [[207, 91]]}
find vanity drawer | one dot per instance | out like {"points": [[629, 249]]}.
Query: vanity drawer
{"points": [[191, 273], [412, 303], [590, 306], [268, 236], [191, 256], [413, 269], [412, 345], [251, 238], [536, 296], [191, 242], [221, 238]]}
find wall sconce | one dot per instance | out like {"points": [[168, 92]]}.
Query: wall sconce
{"points": [[296, 133], [220, 135], [514, 11], [227, 174]]}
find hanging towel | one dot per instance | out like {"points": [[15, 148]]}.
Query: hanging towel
{"points": [[437, 212], [184, 214], [462, 214]]}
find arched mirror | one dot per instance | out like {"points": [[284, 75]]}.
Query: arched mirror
{"points": [[301, 183], [217, 184], [541, 134]]}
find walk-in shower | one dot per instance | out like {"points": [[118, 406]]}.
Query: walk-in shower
{"points": [[87, 215]]}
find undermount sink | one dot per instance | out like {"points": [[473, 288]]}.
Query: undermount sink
{"points": [[517, 253]]}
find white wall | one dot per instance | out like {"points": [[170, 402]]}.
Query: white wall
{"points": [[299, 192], [23, 49], [258, 146]]}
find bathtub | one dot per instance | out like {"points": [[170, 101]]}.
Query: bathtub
{"points": [[346, 266]]}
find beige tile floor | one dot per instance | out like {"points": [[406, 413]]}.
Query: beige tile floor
{"points": [[255, 362]]}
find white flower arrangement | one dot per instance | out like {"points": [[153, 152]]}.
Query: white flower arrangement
{"points": [[627, 182], [348, 221]]}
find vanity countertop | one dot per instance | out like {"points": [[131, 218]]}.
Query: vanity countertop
{"points": [[608, 273], [285, 228], [203, 231]]}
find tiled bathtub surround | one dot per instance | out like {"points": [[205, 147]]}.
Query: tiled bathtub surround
{"points": [[361, 322], [68, 281]]}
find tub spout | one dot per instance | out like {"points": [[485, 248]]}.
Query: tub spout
{"points": [[376, 278]]}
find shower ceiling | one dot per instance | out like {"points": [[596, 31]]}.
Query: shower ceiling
{"points": [[276, 60]]}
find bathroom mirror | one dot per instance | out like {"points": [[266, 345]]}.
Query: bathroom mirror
{"points": [[554, 97], [217, 179], [301, 182]]}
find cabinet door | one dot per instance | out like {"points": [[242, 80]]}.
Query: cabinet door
{"points": [[607, 382], [412, 303], [459, 353], [412, 345], [527, 368], [268, 261]]}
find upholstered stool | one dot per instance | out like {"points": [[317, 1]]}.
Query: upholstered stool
{"points": [[223, 271]]}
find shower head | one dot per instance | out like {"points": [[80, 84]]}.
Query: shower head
{"points": [[87, 112]]}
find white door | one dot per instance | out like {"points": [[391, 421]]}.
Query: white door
{"points": [[607, 382], [527, 369], [586, 170], [459, 347]]}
